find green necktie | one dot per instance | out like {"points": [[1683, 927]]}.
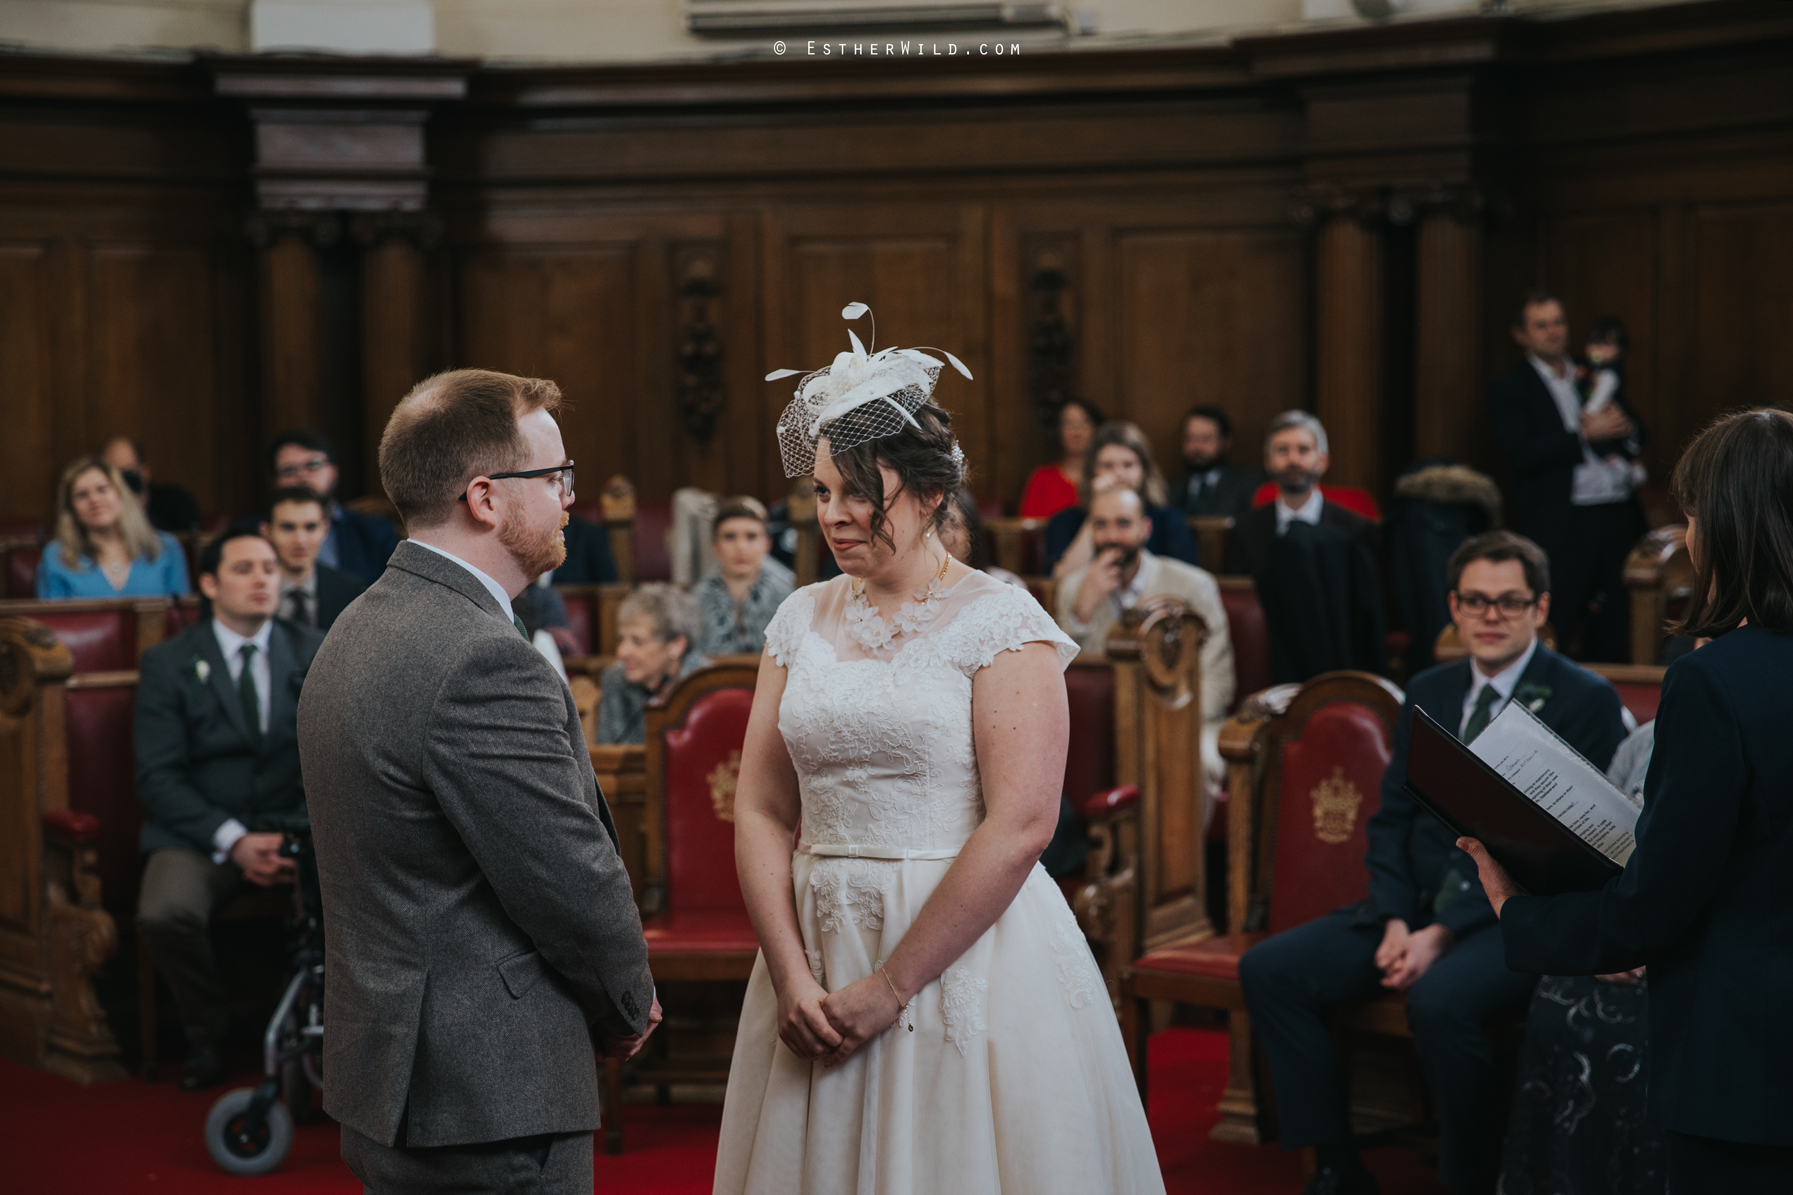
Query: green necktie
{"points": [[518, 623], [1479, 717], [249, 698]]}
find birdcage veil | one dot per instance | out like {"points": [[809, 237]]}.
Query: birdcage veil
{"points": [[859, 396]]}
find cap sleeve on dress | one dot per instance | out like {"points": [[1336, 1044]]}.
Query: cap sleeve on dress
{"points": [[790, 624], [1006, 619]]}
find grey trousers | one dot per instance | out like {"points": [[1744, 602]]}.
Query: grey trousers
{"points": [[174, 912], [543, 1165]]}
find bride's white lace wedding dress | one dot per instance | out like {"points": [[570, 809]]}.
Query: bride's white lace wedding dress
{"points": [[1014, 1078]]}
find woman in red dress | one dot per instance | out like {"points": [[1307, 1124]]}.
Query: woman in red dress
{"points": [[1052, 488]]}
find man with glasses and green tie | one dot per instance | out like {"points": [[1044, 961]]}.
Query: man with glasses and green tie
{"points": [[484, 940], [1427, 928], [217, 754], [356, 543]]}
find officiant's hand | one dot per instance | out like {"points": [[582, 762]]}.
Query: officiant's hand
{"points": [[1495, 880], [802, 1024], [860, 1011]]}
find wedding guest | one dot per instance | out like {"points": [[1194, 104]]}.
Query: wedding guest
{"points": [[1125, 573], [217, 750], [962, 535], [169, 507], [1119, 455], [1425, 928], [1579, 505], [1052, 488], [1700, 901], [356, 543], [1580, 1122], [1211, 484], [1296, 455], [739, 597], [311, 594], [657, 626], [104, 546]]}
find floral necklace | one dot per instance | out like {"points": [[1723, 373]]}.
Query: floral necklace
{"points": [[868, 627]]}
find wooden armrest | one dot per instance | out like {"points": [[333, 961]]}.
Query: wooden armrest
{"points": [[1110, 803]]}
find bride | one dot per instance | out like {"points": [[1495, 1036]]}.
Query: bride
{"points": [[925, 1015]]}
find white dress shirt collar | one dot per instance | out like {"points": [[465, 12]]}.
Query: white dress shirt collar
{"points": [[1308, 512], [231, 643], [492, 587], [1503, 683]]}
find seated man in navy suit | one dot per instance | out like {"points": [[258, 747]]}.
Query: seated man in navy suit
{"points": [[357, 543], [217, 744], [1427, 928]]}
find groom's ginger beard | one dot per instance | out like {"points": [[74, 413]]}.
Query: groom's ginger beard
{"points": [[535, 553]]}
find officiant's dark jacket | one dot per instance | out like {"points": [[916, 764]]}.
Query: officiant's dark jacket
{"points": [[1540, 452], [477, 916], [1411, 853], [196, 767], [1707, 899]]}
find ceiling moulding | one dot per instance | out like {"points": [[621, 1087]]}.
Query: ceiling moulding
{"points": [[736, 18]]}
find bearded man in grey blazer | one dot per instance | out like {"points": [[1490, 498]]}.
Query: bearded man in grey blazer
{"points": [[482, 938]]}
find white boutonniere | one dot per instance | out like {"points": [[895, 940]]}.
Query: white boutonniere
{"points": [[202, 671], [1532, 697]]}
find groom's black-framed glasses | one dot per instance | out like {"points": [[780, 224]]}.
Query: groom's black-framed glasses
{"points": [[565, 480]]}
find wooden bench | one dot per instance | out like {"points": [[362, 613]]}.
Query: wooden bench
{"points": [[1660, 575]]}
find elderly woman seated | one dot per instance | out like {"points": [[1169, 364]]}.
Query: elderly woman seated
{"points": [[657, 626], [741, 595], [104, 545]]}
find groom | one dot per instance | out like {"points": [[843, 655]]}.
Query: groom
{"points": [[482, 936]]}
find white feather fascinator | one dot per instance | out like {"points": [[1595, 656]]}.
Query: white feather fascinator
{"points": [[860, 396]]}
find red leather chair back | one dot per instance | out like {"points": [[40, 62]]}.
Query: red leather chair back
{"points": [[1251, 641], [179, 617], [1331, 779], [101, 767], [20, 579], [1089, 763], [989, 508], [701, 763], [21, 528], [97, 640], [653, 557], [592, 511], [1355, 499], [1640, 697]]}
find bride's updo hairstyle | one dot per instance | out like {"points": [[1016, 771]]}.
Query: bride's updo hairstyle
{"points": [[922, 457], [1736, 481]]}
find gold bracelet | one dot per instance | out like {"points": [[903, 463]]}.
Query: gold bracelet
{"points": [[901, 1007]]}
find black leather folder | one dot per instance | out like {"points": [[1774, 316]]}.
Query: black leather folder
{"points": [[1543, 856]]}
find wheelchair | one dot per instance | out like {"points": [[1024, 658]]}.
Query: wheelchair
{"points": [[250, 1130]]}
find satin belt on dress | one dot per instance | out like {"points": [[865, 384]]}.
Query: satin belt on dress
{"points": [[853, 850]]}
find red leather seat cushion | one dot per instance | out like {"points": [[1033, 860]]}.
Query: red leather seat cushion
{"points": [[71, 825], [653, 557], [1089, 760], [582, 619], [21, 572], [97, 640], [1216, 958], [1641, 698], [1251, 641], [701, 763], [101, 782], [700, 931], [1331, 785]]}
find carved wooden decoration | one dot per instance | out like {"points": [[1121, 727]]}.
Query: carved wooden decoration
{"points": [[1051, 381], [1156, 651], [53, 933], [702, 393], [618, 501]]}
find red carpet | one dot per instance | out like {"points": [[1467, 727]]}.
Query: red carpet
{"points": [[57, 1138]]}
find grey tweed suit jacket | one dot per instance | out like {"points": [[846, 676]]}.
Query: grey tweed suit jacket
{"points": [[478, 920]]}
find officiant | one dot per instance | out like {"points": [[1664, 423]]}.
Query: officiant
{"points": [[1427, 929], [1704, 900]]}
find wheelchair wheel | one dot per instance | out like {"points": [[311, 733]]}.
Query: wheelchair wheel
{"points": [[239, 1151]]}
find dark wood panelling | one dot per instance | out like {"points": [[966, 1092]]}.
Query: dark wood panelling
{"points": [[27, 472], [1743, 288]]}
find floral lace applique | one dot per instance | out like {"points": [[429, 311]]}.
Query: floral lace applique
{"points": [[1077, 973], [869, 628], [961, 1006], [850, 891], [1005, 621]]}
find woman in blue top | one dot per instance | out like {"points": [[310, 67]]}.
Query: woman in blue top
{"points": [[104, 545], [1119, 455]]}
